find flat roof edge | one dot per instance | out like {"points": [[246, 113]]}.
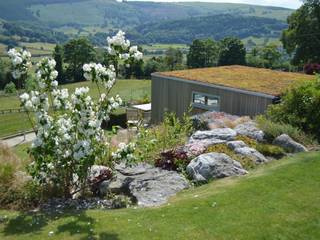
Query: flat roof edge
{"points": [[259, 94]]}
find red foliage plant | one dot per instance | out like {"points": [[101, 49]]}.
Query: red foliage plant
{"points": [[172, 159], [311, 68]]}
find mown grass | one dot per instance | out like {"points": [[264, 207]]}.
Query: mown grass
{"points": [[129, 90], [276, 201]]}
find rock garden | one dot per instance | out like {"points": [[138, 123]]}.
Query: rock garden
{"points": [[220, 145]]}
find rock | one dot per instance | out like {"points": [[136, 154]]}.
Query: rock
{"points": [[226, 134], [251, 153], [147, 185], [135, 170], [212, 120], [287, 143], [236, 144], [195, 149], [251, 130], [212, 137], [213, 165], [155, 187]]}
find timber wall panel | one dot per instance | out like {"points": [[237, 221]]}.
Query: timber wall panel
{"points": [[175, 96]]}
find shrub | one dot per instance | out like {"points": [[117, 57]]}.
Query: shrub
{"points": [[271, 150], [246, 162], [173, 160], [69, 138], [311, 68], [10, 88], [274, 129], [300, 108]]}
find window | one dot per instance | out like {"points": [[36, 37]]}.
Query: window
{"points": [[205, 101]]}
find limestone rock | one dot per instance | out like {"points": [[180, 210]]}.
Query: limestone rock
{"points": [[252, 154], [251, 130], [287, 143], [147, 185], [213, 165]]}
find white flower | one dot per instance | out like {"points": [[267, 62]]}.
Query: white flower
{"points": [[17, 60], [54, 83], [133, 49], [138, 55], [81, 91], [24, 97]]}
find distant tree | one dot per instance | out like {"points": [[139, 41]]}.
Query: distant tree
{"points": [[173, 58], [5, 75], [271, 55], [58, 57], [76, 53], [154, 64], [134, 70], [203, 53], [302, 38], [232, 52]]}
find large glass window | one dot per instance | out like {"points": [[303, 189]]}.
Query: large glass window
{"points": [[206, 101]]}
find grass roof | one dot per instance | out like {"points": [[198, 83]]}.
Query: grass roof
{"points": [[247, 78]]}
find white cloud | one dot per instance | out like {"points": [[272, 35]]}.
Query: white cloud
{"points": [[279, 3]]}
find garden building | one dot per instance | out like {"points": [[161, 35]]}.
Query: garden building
{"points": [[238, 90]]}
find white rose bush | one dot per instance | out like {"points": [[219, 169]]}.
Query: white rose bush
{"points": [[69, 138]]}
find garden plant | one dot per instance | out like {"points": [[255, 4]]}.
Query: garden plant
{"points": [[69, 137]]}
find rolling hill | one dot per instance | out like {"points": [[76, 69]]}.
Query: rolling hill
{"points": [[216, 27], [146, 22]]}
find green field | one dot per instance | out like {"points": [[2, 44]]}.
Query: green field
{"points": [[129, 90], [277, 201]]}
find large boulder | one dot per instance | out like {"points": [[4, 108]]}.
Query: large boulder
{"points": [[251, 130], [213, 165], [147, 185], [287, 143], [212, 137]]}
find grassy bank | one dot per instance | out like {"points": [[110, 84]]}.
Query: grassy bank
{"points": [[276, 201]]}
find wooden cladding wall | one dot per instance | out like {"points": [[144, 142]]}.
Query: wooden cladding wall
{"points": [[175, 95]]}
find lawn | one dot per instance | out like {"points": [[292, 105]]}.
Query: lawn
{"points": [[276, 201], [16, 122]]}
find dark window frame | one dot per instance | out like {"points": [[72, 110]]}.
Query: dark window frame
{"points": [[206, 97]]}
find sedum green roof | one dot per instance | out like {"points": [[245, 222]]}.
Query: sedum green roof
{"points": [[246, 78]]}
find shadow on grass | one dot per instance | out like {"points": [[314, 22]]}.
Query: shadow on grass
{"points": [[77, 224]]}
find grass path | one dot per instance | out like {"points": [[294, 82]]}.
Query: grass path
{"points": [[276, 201]]}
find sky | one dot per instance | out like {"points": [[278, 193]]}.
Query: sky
{"points": [[279, 3]]}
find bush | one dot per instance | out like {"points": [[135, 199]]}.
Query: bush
{"points": [[10, 88], [173, 160], [274, 129], [299, 108], [271, 150], [246, 162], [311, 68]]}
